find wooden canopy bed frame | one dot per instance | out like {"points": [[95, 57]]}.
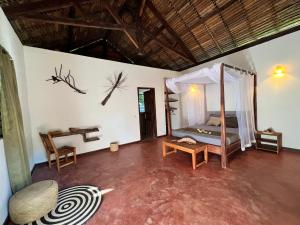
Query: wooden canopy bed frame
{"points": [[224, 150]]}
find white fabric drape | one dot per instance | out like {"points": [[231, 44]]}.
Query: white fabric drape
{"points": [[196, 104], [201, 77], [245, 110]]}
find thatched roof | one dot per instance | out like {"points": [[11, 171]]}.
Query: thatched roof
{"points": [[171, 34]]}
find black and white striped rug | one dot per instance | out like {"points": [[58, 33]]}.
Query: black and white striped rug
{"points": [[74, 207]]}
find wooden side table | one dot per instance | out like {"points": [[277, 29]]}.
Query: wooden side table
{"points": [[193, 149], [263, 142]]}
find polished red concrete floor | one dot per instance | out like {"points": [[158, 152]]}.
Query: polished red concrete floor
{"points": [[258, 188]]}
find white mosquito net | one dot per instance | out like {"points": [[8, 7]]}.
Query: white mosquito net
{"points": [[196, 102]]}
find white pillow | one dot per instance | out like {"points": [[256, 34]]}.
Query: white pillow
{"points": [[214, 121]]}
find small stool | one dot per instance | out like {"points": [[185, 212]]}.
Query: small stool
{"points": [[33, 202]]}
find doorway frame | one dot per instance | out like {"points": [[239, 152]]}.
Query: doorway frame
{"points": [[155, 120]]}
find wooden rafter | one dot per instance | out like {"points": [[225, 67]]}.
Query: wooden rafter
{"points": [[114, 5], [274, 15], [249, 45], [142, 7], [116, 17], [73, 22], [206, 27], [166, 46], [171, 57], [214, 12], [224, 23], [188, 28], [71, 29], [245, 14], [121, 52], [171, 31], [15, 11], [155, 34]]}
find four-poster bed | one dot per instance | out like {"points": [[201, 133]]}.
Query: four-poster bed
{"points": [[225, 143]]}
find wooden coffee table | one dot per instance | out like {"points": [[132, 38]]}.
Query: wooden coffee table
{"points": [[193, 149]]}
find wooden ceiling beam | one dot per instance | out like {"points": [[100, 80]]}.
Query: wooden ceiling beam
{"points": [[166, 46], [14, 11], [171, 31], [73, 22], [116, 17], [142, 8]]}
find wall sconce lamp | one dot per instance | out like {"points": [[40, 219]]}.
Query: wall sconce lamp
{"points": [[193, 88], [279, 71]]}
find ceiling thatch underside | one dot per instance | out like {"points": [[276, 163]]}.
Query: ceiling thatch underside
{"points": [[170, 34]]}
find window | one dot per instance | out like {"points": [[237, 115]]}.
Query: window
{"points": [[141, 103]]}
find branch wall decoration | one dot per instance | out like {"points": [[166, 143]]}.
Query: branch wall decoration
{"points": [[117, 82], [68, 79]]}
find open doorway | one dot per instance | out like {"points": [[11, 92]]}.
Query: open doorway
{"points": [[147, 112]]}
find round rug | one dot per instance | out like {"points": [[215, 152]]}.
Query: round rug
{"points": [[75, 205]]}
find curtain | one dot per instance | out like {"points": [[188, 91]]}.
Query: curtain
{"points": [[245, 110], [12, 125], [195, 105]]}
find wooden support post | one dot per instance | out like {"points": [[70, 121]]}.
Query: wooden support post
{"points": [[255, 101], [167, 104], [223, 125]]}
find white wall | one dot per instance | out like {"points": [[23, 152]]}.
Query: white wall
{"points": [[278, 98], [10, 42], [278, 105], [59, 107]]}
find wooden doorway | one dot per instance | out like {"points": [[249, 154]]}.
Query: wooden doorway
{"points": [[147, 112]]}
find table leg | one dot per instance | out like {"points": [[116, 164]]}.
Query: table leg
{"points": [[194, 160], [205, 155], [164, 150]]}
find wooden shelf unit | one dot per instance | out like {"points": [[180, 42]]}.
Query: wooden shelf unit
{"points": [[268, 144], [75, 131]]}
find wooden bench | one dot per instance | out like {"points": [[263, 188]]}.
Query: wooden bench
{"points": [[193, 149]]}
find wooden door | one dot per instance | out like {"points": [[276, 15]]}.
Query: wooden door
{"points": [[150, 115]]}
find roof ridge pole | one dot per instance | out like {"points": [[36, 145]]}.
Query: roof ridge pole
{"points": [[223, 124]]}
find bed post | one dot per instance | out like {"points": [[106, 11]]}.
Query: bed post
{"points": [[223, 125], [255, 100], [169, 128]]}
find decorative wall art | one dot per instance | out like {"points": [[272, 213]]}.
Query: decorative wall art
{"points": [[69, 80], [117, 82]]}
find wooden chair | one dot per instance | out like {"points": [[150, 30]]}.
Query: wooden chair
{"points": [[61, 154]]}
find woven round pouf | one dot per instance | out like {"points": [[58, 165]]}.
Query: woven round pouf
{"points": [[33, 202]]}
